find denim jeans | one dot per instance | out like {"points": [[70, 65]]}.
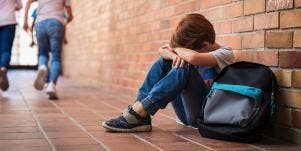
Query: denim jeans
{"points": [[182, 86], [7, 36], [50, 35]]}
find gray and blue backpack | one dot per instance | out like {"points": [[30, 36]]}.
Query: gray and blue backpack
{"points": [[240, 103]]}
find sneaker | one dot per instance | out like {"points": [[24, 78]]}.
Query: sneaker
{"points": [[129, 121], [4, 84], [51, 91], [41, 78]]}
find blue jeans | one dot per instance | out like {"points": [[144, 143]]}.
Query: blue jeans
{"points": [[7, 36], [182, 86], [50, 35]]}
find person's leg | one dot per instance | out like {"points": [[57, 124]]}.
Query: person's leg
{"points": [[43, 56], [56, 35], [163, 92], [7, 37], [157, 72]]}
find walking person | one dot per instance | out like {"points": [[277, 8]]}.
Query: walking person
{"points": [[50, 30], [7, 35]]}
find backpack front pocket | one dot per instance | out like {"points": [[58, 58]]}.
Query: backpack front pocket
{"points": [[231, 104]]}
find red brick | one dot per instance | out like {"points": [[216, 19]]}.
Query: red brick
{"points": [[214, 14], [297, 39], [223, 27], [205, 4], [164, 24], [296, 79], [253, 40], [290, 59], [290, 18], [296, 119], [297, 3], [266, 21], [273, 5], [284, 77], [279, 39], [188, 7], [284, 116], [269, 58], [290, 98], [243, 24], [233, 10], [254, 6], [221, 2], [233, 41]]}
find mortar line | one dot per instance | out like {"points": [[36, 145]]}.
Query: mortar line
{"points": [[80, 126], [136, 136], [38, 123]]}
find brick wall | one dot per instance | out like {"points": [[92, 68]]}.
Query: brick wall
{"points": [[112, 43]]}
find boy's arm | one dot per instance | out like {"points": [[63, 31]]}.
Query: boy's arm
{"points": [[196, 58], [25, 25], [166, 53], [69, 11]]}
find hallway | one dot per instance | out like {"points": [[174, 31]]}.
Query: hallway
{"points": [[30, 122]]}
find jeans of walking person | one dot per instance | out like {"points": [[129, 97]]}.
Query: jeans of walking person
{"points": [[50, 35], [183, 86], [7, 36]]}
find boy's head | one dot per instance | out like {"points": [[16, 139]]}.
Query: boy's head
{"points": [[193, 32]]}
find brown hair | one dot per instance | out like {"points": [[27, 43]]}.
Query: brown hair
{"points": [[192, 31]]}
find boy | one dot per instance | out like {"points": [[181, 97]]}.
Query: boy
{"points": [[175, 77]]}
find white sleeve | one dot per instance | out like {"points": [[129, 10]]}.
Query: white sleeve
{"points": [[223, 56]]}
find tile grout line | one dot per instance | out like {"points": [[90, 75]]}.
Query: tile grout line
{"points": [[38, 123], [190, 140], [169, 117], [177, 135], [136, 136], [81, 127], [253, 146]]}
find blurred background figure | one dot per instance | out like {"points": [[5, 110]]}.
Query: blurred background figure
{"points": [[8, 24], [50, 30]]}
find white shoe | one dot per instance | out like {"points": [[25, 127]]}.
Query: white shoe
{"points": [[51, 91], [41, 77]]}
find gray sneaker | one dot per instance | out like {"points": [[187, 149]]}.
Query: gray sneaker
{"points": [[130, 121]]}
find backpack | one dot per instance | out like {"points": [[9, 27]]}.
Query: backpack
{"points": [[240, 103]]}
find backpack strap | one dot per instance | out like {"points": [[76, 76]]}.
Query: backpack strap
{"points": [[273, 94]]}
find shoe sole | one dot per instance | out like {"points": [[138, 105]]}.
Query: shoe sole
{"points": [[144, 128], [40, 80], [52, 96], [4, 82]]}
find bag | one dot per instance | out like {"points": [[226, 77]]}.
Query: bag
{"points": [[240, 103]]}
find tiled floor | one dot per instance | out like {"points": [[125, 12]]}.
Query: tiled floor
{"points": [[30, 122]]}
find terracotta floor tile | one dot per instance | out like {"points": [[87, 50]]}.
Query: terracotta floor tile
{"points": [[30, 122]]}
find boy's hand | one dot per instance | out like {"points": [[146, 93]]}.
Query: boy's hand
{"points": [[178, 62]]}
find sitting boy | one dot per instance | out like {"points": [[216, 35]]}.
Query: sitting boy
{"points": [[179, 77]]}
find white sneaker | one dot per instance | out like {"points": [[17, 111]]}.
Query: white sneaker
{"points": [[41, 77], [51, 91]]}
